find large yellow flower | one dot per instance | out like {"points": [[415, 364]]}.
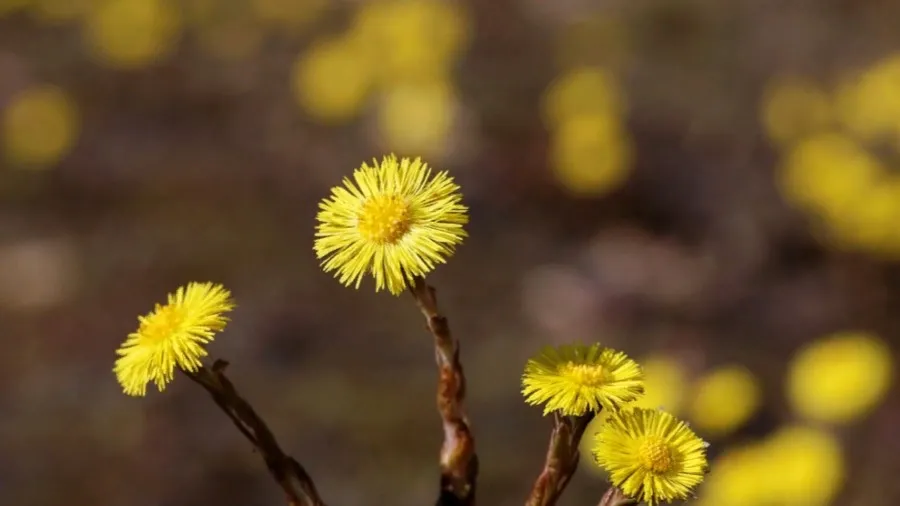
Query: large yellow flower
{"points": [[650, 455], [172, 335], [575, 379], [394, 220]]}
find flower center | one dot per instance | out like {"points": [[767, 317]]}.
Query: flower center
{"points": [[162, 324], [656, 455], [589, 375], [384, 219]]}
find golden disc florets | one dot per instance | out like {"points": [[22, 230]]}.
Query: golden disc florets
{"points": [[395, 220], [172, 335], [575, 379]]}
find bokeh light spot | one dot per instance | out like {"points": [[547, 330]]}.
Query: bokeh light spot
{"points": [[40, 126], [417, 118], [794, 108], [840, 378], [724, 399], [591, 155], [665, 384], [132, 33], [583, 91], [332, 80]]}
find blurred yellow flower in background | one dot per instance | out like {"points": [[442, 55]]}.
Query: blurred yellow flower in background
{"points": [[586, 91], [831, 168], [132, 33], [172, 335], [412, 40], [828, 173], [590, 152], [808, 466], [794, 108], [40, 126], [871, 223], [394, 221], [868, 104], [576, 379], [796, 465], [650, 455], [840, 378], [333, 80], [724, 399], [741, 476], [665, 384], [417, 118]]}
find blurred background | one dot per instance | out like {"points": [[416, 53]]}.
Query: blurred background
{"points": [[710, 186]]}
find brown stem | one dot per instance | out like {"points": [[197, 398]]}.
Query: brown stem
{"points": [[615, 497], [289, 474], [561, 461], [459, 463]]}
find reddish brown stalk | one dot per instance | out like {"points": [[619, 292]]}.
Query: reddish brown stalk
{"points": [[562, 459], [459, 463], [615, 497], [290, 475]]}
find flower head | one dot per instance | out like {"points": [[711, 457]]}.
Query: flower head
{"points": [[172, 335], [394, 221], [651, 455], [575, 379]]}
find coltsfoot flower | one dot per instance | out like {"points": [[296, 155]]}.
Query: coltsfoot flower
{"points": [[393, 220], [650, 455], [172, 335], [575, 379]]}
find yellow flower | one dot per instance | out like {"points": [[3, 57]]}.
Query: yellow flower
{"points": [[575, 379], [841, 378], [172, 335], [394, 220], [651, 455]]}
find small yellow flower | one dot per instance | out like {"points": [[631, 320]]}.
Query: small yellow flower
{"points": [[172, 335], [651, 455], [574, 379], [394, 220]]}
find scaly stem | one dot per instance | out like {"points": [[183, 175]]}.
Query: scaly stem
{"points": [[561, 461], [290, 475], [459, 463]]}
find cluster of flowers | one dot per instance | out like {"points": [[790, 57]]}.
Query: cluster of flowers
{"points": [[396, 221]]}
